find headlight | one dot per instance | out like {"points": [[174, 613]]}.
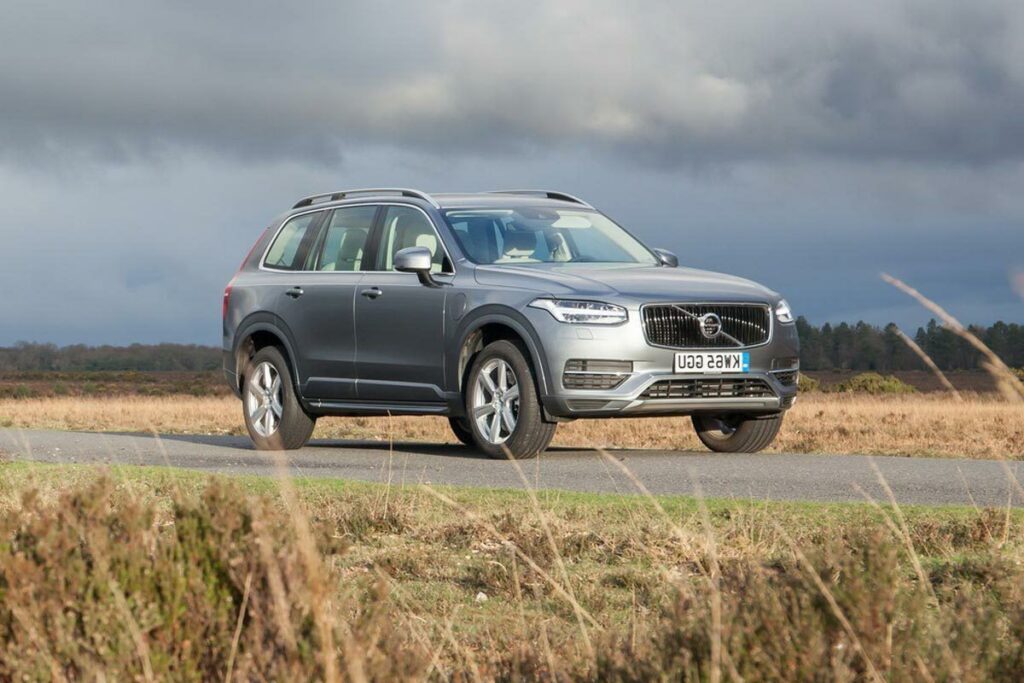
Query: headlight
{"points": [[783, 312], [582, 312]]}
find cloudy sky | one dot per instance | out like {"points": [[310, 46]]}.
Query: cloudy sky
{"points": [[807, 145]]}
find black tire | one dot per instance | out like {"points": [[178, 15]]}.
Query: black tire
{"points": [[531, 434], [460, 427], [736, 433], [293, 427]]}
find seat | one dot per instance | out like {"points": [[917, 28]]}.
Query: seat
{"points": [[519, 246], [559, 248], [350, 251], [413, 231], [482, 242]]}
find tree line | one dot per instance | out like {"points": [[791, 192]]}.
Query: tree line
{"points": [[860, 347], [28, 356], [868, 347]]}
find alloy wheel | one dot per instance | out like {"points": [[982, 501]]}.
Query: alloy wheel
{"points": [[495, 402], [263, 400]]}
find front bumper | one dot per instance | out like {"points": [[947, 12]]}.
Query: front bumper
{"points": [[651, 365]]}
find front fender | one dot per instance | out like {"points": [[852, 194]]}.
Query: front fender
{"points": [[502, 315]]}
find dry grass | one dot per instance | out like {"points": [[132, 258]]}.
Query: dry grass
{"points": [[165, 575], [935, 425]]}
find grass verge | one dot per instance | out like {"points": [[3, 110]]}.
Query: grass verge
{"points": [[909, 425], [140, 573]]}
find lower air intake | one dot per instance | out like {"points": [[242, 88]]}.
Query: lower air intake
{"points": [[719, 387]]}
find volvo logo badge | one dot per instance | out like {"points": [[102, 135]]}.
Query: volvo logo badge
{"points": [[710, 325]]}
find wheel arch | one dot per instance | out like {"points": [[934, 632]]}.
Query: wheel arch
{"points": [[488, 324], [256, 332]]}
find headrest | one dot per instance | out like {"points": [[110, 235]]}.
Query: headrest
{"points": [[559, 248], [352, 243]]}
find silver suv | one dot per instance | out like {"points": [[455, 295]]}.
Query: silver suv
{"points": [[507, 312]]}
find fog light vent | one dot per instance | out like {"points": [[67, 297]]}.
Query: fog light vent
{"points": [[584, 373], [787, 378]]}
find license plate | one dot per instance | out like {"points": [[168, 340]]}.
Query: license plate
{"points": [[710, 363]]}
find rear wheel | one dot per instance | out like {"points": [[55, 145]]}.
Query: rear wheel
{"points": [[273, 415], [737, 433], [503, 408]]}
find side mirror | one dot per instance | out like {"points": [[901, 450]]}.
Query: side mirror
{"points": [[416, 260], [667, 258]]}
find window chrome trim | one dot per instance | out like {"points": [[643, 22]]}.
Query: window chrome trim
{"points": [[270, 269]]}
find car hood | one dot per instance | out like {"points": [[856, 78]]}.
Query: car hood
{"points": [[639, 283]]}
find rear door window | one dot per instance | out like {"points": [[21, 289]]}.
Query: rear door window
{"points": [[289, 248], [345, 240]]}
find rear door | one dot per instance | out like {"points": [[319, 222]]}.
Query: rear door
{"points": [[399, 322], [318, 306]]}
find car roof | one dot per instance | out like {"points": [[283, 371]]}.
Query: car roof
{"points": [[490, 200], [509, 199]]}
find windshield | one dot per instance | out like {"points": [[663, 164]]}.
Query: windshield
{"points": [[528, 235]]}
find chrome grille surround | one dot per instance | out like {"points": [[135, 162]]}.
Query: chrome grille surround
{"points": [[678, 325]]}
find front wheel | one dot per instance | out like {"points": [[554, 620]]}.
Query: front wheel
{"points": [[502, 405], [737, 433], [273, 416], [461, 430]]}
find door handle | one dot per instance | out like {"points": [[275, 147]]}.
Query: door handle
{"points": [[294, 292], [372, 292]]}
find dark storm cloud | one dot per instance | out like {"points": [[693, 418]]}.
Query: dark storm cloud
{"points": [[667, 83], [808, 145]]}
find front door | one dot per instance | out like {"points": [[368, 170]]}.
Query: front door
{"points": [[321, 304], [400, 322]]}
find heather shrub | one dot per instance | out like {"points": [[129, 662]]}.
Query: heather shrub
{"points": [[874, 383]]}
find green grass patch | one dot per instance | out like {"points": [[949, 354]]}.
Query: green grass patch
{"points": [[443, 582]]}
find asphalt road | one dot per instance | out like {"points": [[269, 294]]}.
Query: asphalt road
{"points": [[926, 481]]}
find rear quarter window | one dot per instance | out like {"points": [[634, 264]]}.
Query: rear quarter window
{"points": [[289, 247]]}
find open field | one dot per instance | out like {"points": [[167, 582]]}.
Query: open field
{"points": [[48, 384], [933, 425], [163, 574]]}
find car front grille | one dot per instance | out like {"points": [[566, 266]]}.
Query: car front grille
{"points": [[679, 325], [717, 387]]}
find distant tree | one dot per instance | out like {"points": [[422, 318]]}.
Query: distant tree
{"points": [[865, 347], [26, 356]]}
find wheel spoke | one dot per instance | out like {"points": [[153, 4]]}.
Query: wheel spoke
{"points": [[276, 386], [276, 407], [258, 414], [508, 417], [267, 380], [268, 422], [502, 376], [488, 383], [512, 394], [483, 411], [495, 428]]}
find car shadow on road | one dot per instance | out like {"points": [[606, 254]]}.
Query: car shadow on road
{"points": [[402, 447]]}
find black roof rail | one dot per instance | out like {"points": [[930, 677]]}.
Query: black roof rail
{"points": [[343, 194], [550, 194]]}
